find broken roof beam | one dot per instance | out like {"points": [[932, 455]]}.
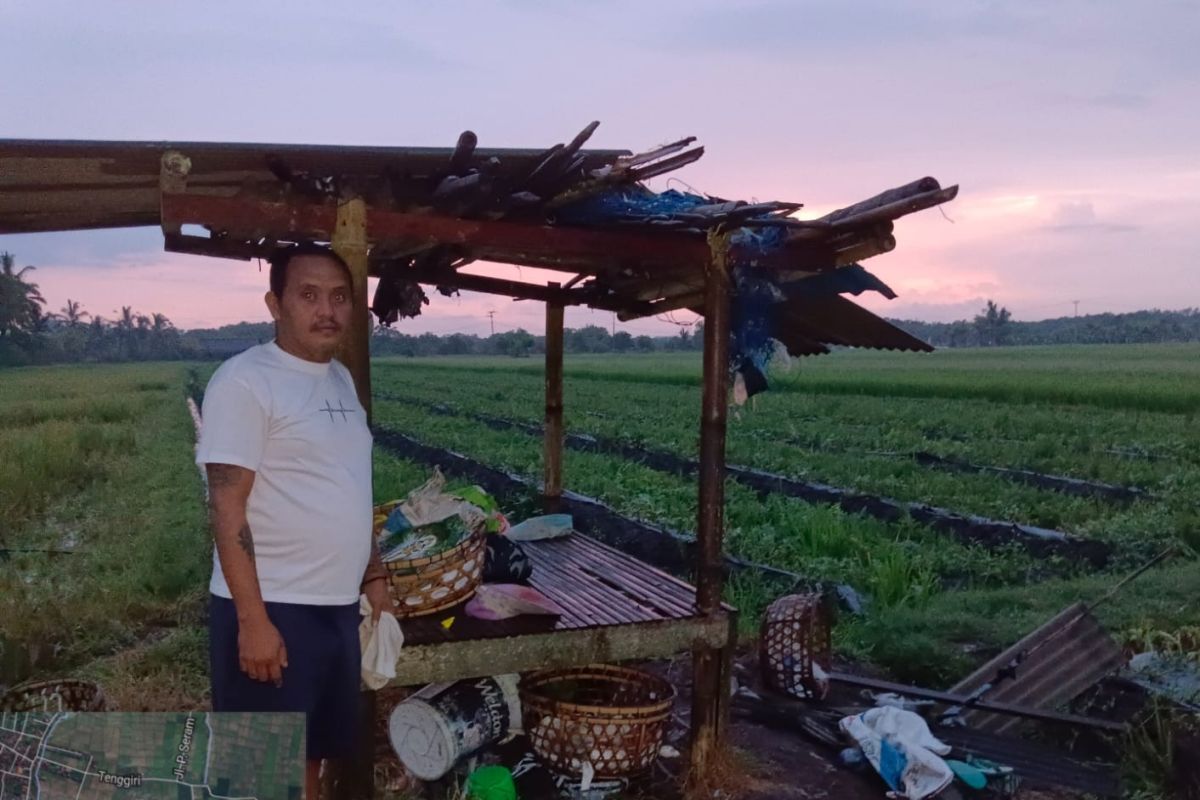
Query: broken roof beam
{"points": [[524, 243], [520, 290], [892, 204]]}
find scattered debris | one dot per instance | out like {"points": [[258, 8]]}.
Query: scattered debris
{"points": [[1052, 665], [993, 706], [900, 747]]}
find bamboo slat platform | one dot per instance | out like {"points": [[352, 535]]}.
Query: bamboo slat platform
{"points": [[616, 609]]}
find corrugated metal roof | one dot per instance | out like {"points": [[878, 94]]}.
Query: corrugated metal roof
{"points": [[809, 322], [1067, 655]]}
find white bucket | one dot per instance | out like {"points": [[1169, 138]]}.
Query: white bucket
{"points": [[443, 722]]}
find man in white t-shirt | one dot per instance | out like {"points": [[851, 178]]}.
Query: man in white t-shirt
{"points": [[287, 450]]}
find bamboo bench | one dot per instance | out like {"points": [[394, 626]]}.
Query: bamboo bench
{"points": [[616, 609]]}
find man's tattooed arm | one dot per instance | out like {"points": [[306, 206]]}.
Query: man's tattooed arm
{"points": [[246, 541], [228, 489]]}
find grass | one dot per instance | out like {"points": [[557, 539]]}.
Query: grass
{"points": [[114, 485], [1145, 377]]}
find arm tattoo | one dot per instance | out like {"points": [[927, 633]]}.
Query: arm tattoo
{"points": [[246, 541], [222, 475]]}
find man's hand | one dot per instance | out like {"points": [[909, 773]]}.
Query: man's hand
{"points": [[378, 596], [261, 653]]}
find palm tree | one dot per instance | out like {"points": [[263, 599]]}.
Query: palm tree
{"points": [[20, 301], [124, 329], [72, 313], [160, 324]]}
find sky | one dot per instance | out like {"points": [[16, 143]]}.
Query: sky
{"points": [[1072, 127]]}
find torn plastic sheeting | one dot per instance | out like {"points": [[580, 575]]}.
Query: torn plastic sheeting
{"points": [[496, 601], [901, 749], [548, 526]]}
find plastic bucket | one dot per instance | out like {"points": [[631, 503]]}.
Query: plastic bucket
{"points": [[443, 722]]}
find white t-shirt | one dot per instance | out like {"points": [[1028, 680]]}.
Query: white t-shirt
{"points": [[298, 424]]}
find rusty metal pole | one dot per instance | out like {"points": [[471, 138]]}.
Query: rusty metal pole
{"points": [[708, 694], [553, 443], [355, 779], [350, 242]]}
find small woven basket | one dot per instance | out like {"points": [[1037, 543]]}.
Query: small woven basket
{"points": [[795, 646], [68, 694], [613, 717], [432, 583]]}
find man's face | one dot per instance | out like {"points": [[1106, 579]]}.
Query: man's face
{"points": [[314, 312]]}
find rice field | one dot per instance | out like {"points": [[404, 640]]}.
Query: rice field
{"points": [[105, 551]]}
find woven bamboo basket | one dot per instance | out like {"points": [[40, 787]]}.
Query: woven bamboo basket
{"points": [[67, 694], [795, 650], [433, 583], [613, 717]]}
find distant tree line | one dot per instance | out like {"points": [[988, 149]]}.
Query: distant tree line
{"points": [[994, 327], [517, 343], [31, 335]]}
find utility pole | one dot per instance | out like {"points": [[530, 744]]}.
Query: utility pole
{"points": [[492, 318], [1076, 302], [614, 324]]}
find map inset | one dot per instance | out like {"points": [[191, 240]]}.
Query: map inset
{"points": [[177, 756]]}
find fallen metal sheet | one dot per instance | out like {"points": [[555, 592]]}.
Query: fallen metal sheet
{"points": [[1064, 657], [1010, 711], [1039, 765]]}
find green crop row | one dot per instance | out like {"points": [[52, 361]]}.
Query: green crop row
{"points": [[894, 562], [765, 441], [1141, 377]]}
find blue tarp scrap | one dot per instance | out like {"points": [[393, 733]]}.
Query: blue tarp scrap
{"points": [[756, 294], [633, 202]]}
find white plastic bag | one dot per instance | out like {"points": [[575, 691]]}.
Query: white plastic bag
{"points": [[902, 750], [380, 642]]}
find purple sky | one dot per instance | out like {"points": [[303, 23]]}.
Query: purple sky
{"points": [[1073, 127]]}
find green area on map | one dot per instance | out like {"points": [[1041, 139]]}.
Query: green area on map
{"points": [[176, 756]]}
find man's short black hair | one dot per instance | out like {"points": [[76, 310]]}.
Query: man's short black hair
{"points": [[283, 256]]}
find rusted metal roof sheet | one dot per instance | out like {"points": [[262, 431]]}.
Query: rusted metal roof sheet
{"points": [[1067, 655], [58, 185], [1039, 766], [808, 323]]}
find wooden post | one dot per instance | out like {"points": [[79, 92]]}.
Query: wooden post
{"points": [[710, 684], [350, 242], [355, 779], [553, 444]]}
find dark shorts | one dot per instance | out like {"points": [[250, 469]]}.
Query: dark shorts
{"points": [[321, 678]]}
